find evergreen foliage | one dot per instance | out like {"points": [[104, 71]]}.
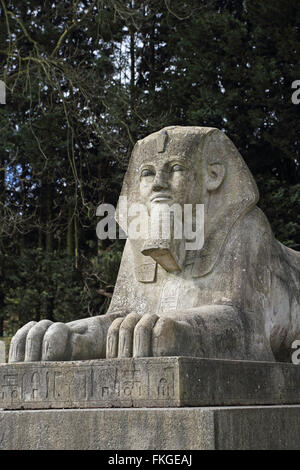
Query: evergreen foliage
{"points": [[85, 79]]}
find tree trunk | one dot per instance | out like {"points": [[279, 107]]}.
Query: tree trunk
{"points": [[1, 326], [49, 232], [70, 232], [76, 237]]}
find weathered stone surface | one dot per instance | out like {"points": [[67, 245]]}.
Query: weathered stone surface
{"points": [[113, 429], [236, 297], [2, 352], [232, 428], [147, 382]]}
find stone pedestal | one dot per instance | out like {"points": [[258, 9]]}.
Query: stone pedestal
{"points": [[150, 403], [199, 428]]}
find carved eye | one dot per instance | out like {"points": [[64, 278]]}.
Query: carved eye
{"points": [[147, 172], [177, 168]]}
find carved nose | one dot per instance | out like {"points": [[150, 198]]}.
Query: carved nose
{"points": [[161, 181]]}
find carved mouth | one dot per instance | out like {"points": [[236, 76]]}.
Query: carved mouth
{"points": [[160, 197]]}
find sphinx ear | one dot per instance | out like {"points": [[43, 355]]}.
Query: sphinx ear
{"points": [[214, 176]]}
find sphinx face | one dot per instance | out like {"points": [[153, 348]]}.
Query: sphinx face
{"points": [[169, 179]]}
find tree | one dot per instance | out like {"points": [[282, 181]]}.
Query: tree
{"points": [[86, 79]]}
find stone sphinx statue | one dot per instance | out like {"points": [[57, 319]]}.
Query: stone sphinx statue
{"points": [[236, 297]]}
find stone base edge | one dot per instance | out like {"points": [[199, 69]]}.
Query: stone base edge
{"points": [[224, 428]]}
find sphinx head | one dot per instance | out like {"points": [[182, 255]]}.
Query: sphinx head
{"points": [[189, 165]]}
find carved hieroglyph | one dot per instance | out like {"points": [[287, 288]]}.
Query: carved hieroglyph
{"points": [[235, 298], [147, 382]]}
